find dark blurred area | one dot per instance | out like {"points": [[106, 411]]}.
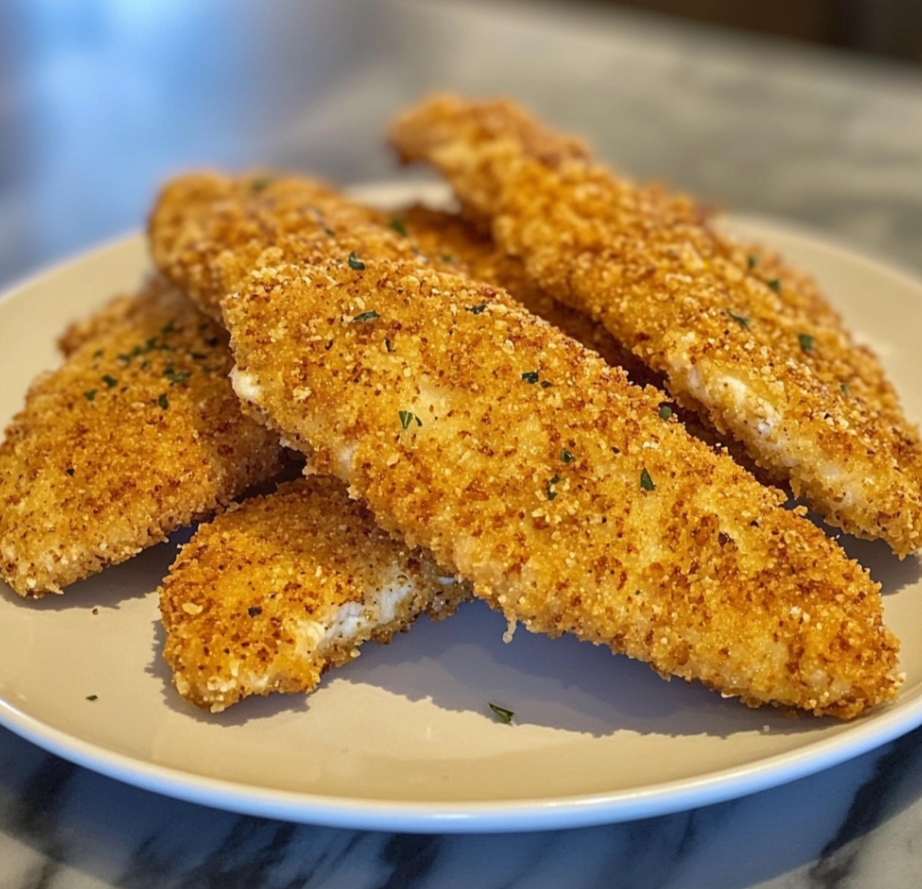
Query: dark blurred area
{"points": [[885, 27]]}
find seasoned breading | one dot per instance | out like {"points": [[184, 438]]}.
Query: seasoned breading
{"points": [[456, 243], [208, 231], [137, 434], [738, 335], [276, 591], [534, 470]]}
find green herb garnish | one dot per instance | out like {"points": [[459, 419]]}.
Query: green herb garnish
{"points": [[806, 341], [355, 262], [844, 388], [646, 482], [399, 226], [775, 285], [476, 310], [70, 471], [742, 320], [176, 376], [567, 456], [751, 262], [551, 491], [110, 381], [447, 258], [407, 417], [665, 412], [92, 697], [260, 183], [365, 316], [98, 353], [163, 402], [546, 384], [530, 376], [90, 394], [502, 714], [169, 327]]}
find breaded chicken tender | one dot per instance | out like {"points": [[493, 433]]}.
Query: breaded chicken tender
{"points": [[137, 434], [281, 588], [531, 468], [738, 335]]}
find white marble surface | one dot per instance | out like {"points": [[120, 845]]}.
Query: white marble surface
{"points": [[760, 126]]}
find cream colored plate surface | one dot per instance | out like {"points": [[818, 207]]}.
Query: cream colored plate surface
{"points": [[403, 738]]}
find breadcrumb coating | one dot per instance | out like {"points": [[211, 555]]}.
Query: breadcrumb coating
{"points": [[207, 231], [137, 434], [738, 335], [530, 467], [460, 246], [281, 588]]}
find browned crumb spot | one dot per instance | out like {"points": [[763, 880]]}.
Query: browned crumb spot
{"points": [[252, 602], [137, 434]]}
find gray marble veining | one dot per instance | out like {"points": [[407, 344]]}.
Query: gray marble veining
{"points": [[753, 124]]}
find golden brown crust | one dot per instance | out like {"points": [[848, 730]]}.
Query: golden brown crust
{"points": [[739, 335], [524, 462], [453, 243], [251, 596], [138, 433]]}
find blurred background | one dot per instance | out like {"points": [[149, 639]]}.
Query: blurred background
{"points": [[806, 109]]}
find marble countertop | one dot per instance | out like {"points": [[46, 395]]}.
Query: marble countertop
{"points": [[97, 108]]}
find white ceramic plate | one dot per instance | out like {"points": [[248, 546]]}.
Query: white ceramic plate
{"points": [[403, 739]]}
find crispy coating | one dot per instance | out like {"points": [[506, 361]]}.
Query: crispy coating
{"points": [[137, 434], [457, 244], [530, 467], [208, 231], [737, 334], [281, 588]]}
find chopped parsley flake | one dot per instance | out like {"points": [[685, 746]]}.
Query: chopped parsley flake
{"points": [[567, 456], [399, 226], [163, 402], [355, 262], [260, 183], [476, 310], [70, 471], [742, 320], [110, 381], [254, 610], [169, 327], [407, 417], [447, 258], [551, 490], [844, 388], [365, 316], [775, 285], [90, 394], [92, 697], [176, 376], [546, 384], [751, 262], [665, 412], [502, 714], [330, 233], [530, 376], [806, 341], [646, 482], [388, 345], [98, 353]]}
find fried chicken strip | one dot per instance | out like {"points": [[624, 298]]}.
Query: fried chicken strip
{"points": [[738, 335], [137, 434], [281, 588], [528, 466]]}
